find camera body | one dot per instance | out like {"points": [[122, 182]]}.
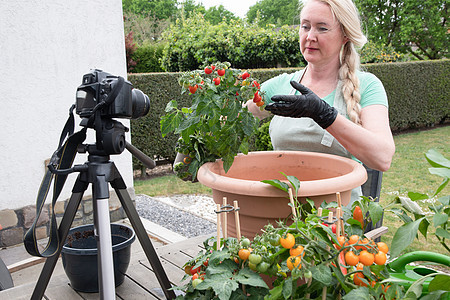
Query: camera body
{"points": [[117, 97]]}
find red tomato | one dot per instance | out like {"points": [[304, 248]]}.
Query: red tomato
{"points": [[245, 75], [333, 228], [193, 89], [221, 72], [216, 80], [257, 97], [208, 70]]}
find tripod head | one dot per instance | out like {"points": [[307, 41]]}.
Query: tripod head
{"points": [[100, 98]]}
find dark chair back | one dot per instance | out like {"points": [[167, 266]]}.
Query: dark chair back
{"points": [[372, 188]]}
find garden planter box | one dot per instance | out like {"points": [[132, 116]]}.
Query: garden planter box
{"points": [[321, 177]]}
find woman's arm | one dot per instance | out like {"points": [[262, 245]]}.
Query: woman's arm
{"points": [[372, 142], [256, 110]]}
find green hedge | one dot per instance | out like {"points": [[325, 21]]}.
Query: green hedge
{"points": [[418, 93]]}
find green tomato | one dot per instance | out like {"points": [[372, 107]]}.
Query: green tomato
{"points": [[274, 239], [273, 270], [255, 258], [307, 274], [252, 266], [262, 267], [196, 282], [245, 242]]}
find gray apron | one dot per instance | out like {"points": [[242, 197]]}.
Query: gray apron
{"points": [[303, 134]]}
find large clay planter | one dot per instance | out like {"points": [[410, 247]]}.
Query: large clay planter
{"points": [[321, 177]]}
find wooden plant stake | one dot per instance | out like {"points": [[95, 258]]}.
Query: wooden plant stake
{"points": [[341, 221], [291, 198], [218, 227], [236, 218], [224, 224], [338, 223], [324, 290]]}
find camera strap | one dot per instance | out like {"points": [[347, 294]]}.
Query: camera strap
{"points": [[61, 159]]}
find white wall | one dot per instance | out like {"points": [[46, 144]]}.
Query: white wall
{"points": [[45, 49]]}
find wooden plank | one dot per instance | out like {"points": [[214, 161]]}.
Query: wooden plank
{"points": [[129, 289]]}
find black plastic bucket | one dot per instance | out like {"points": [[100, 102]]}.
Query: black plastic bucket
{"points": [[79, 256]]}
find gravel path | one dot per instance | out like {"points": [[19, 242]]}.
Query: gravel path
{"points": [[188, 215]]}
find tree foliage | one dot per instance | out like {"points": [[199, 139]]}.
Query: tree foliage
{"points": [[160, 9], [410, 26], [277, 12], [217, 14], [195, 42]]}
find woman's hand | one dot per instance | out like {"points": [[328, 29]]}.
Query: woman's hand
{"points": [[256, 110], [307, 104]]}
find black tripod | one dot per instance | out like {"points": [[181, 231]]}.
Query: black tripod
{"points": [[99, 171]]}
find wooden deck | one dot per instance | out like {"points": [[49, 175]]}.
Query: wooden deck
{"points": [[140, 281]]}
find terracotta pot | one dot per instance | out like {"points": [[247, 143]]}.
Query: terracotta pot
{"points": [[321, 176]]}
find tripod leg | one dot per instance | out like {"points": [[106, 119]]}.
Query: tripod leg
{"points": [[147, 245], [63, 230], [102, 225]]}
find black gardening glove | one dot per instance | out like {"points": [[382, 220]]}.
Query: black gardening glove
{"points": [[307, 104]]}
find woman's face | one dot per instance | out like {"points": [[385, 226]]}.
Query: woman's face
{"points": [[321, 37]]}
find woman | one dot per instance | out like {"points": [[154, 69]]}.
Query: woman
{"points": [[330, 106]]}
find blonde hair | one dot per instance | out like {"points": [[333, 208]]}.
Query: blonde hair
{"points": [[347, 15]]}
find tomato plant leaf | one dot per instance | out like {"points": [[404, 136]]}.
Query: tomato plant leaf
{"points": [[423, 227], [361, 293], [287, 288], [322, 274], [441, 186], [401, 214], [375, 212], [441, 232], [409, 205], [417, 196], [439, 219], [294, 182], [404, 237], [436, 159], [440, 282], [445, 200], [278, 184], [248, 277]]}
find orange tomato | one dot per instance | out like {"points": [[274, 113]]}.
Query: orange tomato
{"points": [[353, 239], [351, 258], [297, 250], [383, 247], [341, 240], [244, 253], [358, 215], [380, 258], [287, 241], [293, 262], [366, 258]]}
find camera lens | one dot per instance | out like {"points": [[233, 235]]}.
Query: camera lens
{"points": [[141, 103]]}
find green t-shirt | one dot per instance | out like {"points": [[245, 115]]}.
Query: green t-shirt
{"points": [[371, 89]]}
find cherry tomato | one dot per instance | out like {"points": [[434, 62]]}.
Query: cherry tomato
{"points": [[308, 274], [293, 262], [358, 216], [262, 267], [351, 258], [187, 160], [244, 254], [216, 80], [245, 75], [193, 89], [383, 247], [254, 258], [255, 84], [260, 103], [333, 228], [380, 258], [208, 70], [274, 239], [196, 282], [366, 258], [221, 72], [287, 241], [245, 242], [257, 97], [196, 270], [195, 276]]}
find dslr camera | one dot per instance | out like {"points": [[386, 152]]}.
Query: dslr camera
{"points": [[112, 95]]}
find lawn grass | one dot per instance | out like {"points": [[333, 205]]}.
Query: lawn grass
{"points": [[408, 172]]}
